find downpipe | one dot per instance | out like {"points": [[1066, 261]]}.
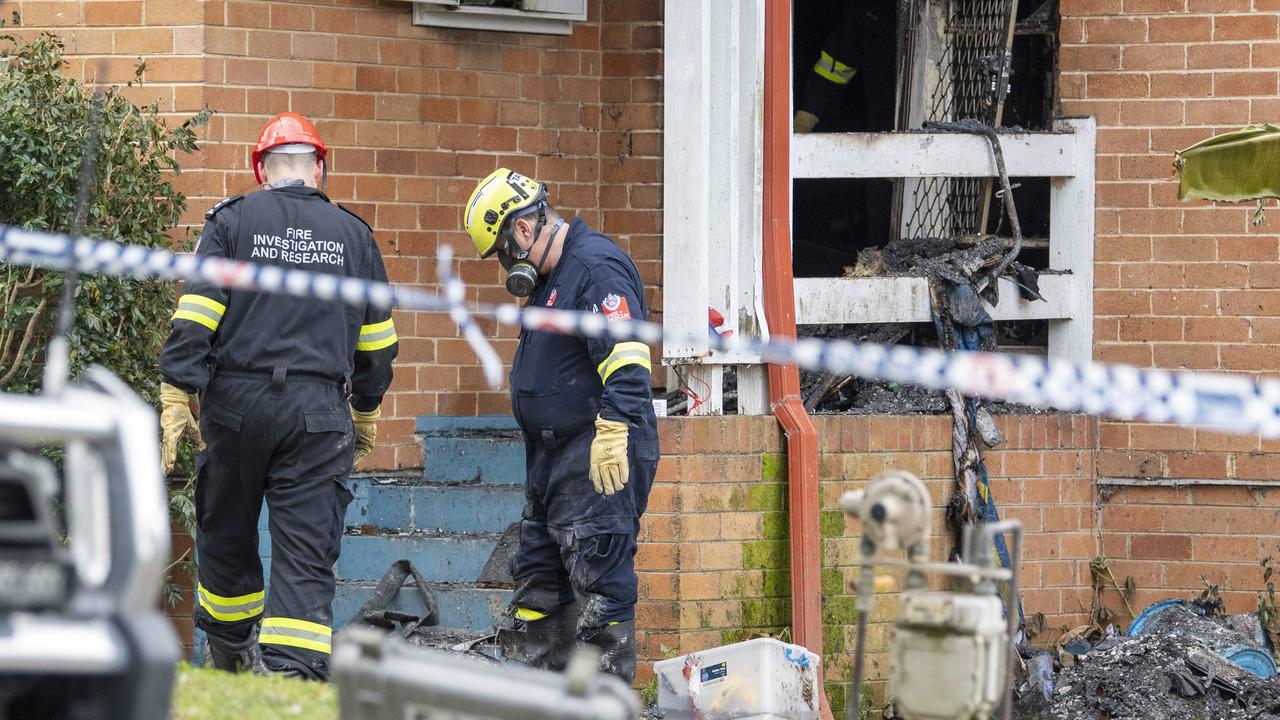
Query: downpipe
{"points": [[784, 382]]}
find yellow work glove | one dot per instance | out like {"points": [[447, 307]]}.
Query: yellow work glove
{"points": [[609, 456], [176, 422], [366, 430], [804, 122]]}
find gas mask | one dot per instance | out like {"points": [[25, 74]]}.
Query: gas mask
{"points": [[522, 274]]}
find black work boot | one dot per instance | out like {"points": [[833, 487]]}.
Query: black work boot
{"points": [[237, 657], [617, 643], [544, 644], [549, 641], [289, 672]]}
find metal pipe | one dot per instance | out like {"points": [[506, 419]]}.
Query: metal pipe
{"points": [[780, 308], [1012, 615], [855, 687], [988, 533], [866, 603]]}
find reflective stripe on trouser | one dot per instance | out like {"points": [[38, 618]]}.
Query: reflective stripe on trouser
{"points": [[231, 609], [296, 633], [529, 614], [289, 443]]}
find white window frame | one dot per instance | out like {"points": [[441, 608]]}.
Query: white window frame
{"points": [[1066, 156], [547, 17], [713, 201], [712, 207]]}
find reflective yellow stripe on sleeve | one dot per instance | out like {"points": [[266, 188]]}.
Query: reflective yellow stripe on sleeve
{"points": [[625, 353], [231, 609], [528, 615], [376, 336], [833, 70], [200, 309], [296, 633]]}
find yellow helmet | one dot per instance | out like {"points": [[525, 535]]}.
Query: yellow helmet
{"points": [[494, 201]]}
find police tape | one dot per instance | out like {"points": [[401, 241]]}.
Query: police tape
{"points": [[1216, 401], [63, 252]]}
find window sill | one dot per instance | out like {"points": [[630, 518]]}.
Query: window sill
{"points": [[452, 14]]}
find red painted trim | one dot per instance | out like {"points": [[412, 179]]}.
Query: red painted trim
{"points": [[779, 306]]}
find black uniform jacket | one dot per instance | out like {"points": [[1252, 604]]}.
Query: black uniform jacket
{"points": [[562, 382], [294, 227]]}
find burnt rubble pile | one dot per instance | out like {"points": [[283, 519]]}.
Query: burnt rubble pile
{"points": [[1176, 669], [959, 271]]}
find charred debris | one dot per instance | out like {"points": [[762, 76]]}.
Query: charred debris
{"points": [[995, 72], [1178, 660]]}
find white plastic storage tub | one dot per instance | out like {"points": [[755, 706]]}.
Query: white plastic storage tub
{"points": [[762, 679]]}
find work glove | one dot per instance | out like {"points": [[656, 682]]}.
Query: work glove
{"points": [[176, 422], [366, 430], [609, 456], [804, 122]]}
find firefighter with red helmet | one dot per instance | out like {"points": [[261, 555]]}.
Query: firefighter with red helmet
{"points": [[288, 392]]}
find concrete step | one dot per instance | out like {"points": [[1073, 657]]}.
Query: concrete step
{"points": [[382, 503], [440, 558], [468, 508], [459, 450], [462, 607]]}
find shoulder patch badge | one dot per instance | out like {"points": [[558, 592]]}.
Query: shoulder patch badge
{"points": [[615, 308], [221, 204], [552, 300]]}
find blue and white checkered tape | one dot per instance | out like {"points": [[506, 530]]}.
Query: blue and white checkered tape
{"points": [[1217, 401]]}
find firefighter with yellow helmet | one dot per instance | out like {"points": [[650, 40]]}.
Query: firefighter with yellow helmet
{"points": [[585, 408]]}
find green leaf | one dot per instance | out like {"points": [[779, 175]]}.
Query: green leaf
{"points": [[44, 134]]}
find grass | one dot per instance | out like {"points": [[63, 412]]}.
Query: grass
{"points": [[200, 694]]}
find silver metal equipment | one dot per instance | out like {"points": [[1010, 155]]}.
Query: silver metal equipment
{"points": [[951, 657], [81, 633], [383, 677]]}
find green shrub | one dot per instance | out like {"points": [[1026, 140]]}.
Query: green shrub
{"points": [[45, 121], [45, 134]]}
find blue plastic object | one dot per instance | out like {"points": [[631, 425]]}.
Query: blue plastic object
{"points": [[1247, 657], [1077, 646], [1140, 622], [1251, 659]]}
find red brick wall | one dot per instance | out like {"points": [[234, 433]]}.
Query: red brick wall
{"points": [[414, 117], [713, 556], [1172, 537], [1179, 285]]}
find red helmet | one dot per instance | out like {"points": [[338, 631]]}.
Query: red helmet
{"points": [[286, 129]]}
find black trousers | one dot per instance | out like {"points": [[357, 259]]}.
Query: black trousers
{"points": [[574, 542], [288, 440]]}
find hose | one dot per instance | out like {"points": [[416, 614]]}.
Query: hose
{"points": [[866, 602]]}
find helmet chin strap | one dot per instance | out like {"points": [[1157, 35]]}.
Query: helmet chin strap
{"points": [[523, 274], [551, 240], [522, 254]]}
